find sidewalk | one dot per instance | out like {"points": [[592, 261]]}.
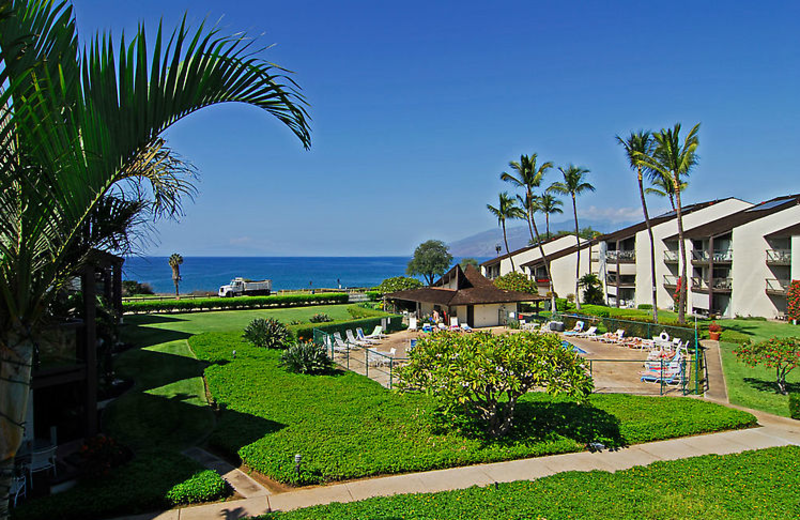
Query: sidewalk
{"points": [[778, 431]]}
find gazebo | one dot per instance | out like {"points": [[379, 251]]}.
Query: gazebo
{"points": [[467, 295]]}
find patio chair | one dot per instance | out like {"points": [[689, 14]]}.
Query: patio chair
{"points": [[351, 338], [19, 487], [609, 337], [412, 343], [412, 324], [363, 337], [43, 460], [673, 364], [668, 376], [465, 328], [530, 327], [454, 324], [376, 359], [377, 333], [591, 333], [339, 345], [427, 328], [577, 329], [441, 326]]}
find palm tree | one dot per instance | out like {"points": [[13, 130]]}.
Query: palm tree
{"points": [[549, 205], [506, 209], [175, 261], [528, 177], [75, 126], [636, 146], [674, 160], [574, 184], [663, 187]]}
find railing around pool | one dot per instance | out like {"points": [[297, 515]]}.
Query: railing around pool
{"points": [[378, 366]]}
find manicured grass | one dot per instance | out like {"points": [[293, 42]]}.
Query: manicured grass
{"points": [[756, 484], [758, 330], [347, 426]]}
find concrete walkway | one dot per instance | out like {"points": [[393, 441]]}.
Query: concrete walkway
{"points": [[778, 431], [240, 481], [717, 391]]}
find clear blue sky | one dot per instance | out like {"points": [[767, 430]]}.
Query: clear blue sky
{"points": [[417, 108]]}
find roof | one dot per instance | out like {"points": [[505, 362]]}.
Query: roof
{"points": [[786, 232], [522, 250], [560, 254], [630, 231], [726, 224], [472, 288]]}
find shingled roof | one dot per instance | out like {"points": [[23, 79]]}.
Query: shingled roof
{"points": [[471, 288]]}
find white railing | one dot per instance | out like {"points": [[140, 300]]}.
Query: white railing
{"points": [[779, 256], [671, 280], [623, 255], [671, 256], [776, 285]]}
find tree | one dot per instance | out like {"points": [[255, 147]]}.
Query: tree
{"points": [[549, 205], [529, 176], [638, 145], [574, 184], [431, 258], [674, 160], [398, 283], [469, 261], [175, 262], [793, 301], [75, 125], [781, 354], [506, 209], [515, 281], [663, 187], [592, 289], [483, 375]]}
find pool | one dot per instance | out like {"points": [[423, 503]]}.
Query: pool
{"points": [[569, 346]]}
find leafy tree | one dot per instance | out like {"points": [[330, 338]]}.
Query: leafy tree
{"points": [[483, 375], [674, 160], [586, 233], [574, 184], [431, 258], [175, 262], [638, 145], [506, 209], [132, 288], [267, 333], [76, 125], [592, 289], [781, 354], [398, 283], [529, 176], [469, 261], [549, 205], [515, 281]]}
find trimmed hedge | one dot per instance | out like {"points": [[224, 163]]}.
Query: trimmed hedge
{"points": [[794, 405], [201, 487], [305, 331], [754, 484], [241, 302], [347, 426]]}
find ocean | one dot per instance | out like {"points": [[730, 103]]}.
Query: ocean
{"points": [[209, 273]]}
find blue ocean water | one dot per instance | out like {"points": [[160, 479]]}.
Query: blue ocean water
{"points": [[209, 273]]}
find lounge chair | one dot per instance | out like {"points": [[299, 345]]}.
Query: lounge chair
{"points": [[355, 341], [412, 324], [530, 327], [363, 337], [427, 328], [672, 364], [377, 333], [577, 329], [669, 376], [454, 324], [608, 337], [339, 345], [466, 328], [441, 326], [591, 333]]}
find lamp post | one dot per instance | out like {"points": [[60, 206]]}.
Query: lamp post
{"points": [[497, 249]]}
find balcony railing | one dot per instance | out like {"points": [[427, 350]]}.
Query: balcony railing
{"points": [[623, 282], [699, 284], [722, 284], [701, 255], [622, 255], [542, 281], [779, 256], [670, 280], [777, 286], [671, 256]]}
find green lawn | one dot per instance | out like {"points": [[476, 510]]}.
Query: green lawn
{"points": [[756, 484], [347, 426]]}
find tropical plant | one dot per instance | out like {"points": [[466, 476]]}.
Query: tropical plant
{"points": [[483, 375], [431, 258], [548, 204], [638, 145], [306, 357], [506, 209], [132, 288], [267, 333], [469, 261], [592, 289], [175, 262], [75, 125], [398, 283], [781, 354], [320, 318], [574, 184], [674, 160], [515, 281], [663, 187]]}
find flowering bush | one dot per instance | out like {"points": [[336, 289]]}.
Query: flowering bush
{"points": [[714, 327], [793, 300], [782, 354]]}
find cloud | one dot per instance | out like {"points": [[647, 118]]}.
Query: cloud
{"points": [[240, 241]]}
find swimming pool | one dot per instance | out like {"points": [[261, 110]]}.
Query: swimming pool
{"points": [[569, 346]]}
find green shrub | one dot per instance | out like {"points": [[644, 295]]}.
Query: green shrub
{"points": [[794, 405], [320, 318], [516, 281], [305, 332], [306, 358], [645, 307], [242, 302], [398, 283], [267, 333], [362, 311], [374, 295], [204, 486]]}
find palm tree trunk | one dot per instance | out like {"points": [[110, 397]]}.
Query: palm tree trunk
{"points": [[15, 384], [546, 269], [682, 249], [672, 201], [530, 226], [547, 223], [577, 253], [505, 239], [652, 248]]}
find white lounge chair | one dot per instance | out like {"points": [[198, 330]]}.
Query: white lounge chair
{"points": [[590, 333], [454, 324], [351, 338], [377, 333], [412, 323], [577, 329], [339, 345], [612, 338], [466, 328], [363, 337]]}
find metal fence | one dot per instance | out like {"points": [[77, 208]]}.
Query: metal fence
{"points": [[378, 366]]}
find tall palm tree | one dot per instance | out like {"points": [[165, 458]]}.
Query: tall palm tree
{"points": [[574, 184], [74, 125], [637, 145], [527, 206], [549, 204], [663, 187], [506, 209], [175, 262], [529, 176], [674, 159]]}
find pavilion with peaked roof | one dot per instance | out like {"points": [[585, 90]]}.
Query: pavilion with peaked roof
{"points": [[467, 295]]}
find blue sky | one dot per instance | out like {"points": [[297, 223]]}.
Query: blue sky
{"points": [[417, 107]]}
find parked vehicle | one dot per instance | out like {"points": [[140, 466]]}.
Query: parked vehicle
{"points": [[245, 287]]}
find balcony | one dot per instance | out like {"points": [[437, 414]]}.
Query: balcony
{"points": [[700, 256], [620, 281], [671, 257], [621, 256], [670, 280], [542, 281], [777, 286], [717, 284], [779, 256]]}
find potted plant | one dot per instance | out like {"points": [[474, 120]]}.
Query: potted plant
{"points": [[713, 330]]}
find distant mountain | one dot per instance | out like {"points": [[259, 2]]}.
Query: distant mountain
{"points": [[483, 244]]}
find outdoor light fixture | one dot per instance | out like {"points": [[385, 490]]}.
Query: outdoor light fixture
{"points": [[234, 354], [498, 249], [297, 459]]}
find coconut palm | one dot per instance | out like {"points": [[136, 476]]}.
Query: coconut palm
{"points": [[674, 159], [574, 184], [75, 127], [549, 204], [662, 187], [506, 209], [637, 145], [528, 177], [175, 262]]}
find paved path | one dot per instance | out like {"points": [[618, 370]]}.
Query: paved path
{"points": [[717, 391], [777, 431], [241, 482]]}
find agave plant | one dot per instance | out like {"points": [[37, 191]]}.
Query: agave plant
{"points": [[76, 125], [306, 358], [267, 333]]}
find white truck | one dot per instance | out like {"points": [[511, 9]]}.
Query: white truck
{"points": [[245, 287]]}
